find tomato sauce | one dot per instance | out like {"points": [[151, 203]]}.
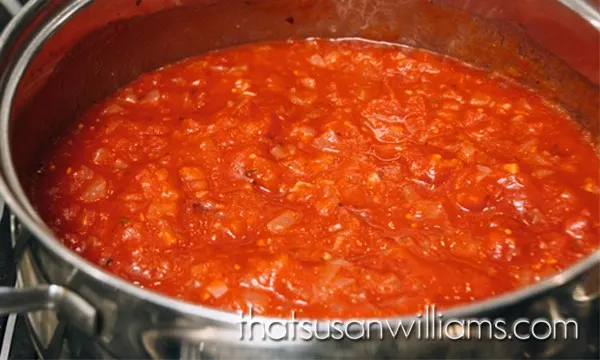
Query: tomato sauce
{"points": [[332, 178]]}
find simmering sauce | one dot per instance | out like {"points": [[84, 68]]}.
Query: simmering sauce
{"points": [[333, 178]]}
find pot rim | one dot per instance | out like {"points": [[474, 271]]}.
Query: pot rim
{"points": [[14, 196]]}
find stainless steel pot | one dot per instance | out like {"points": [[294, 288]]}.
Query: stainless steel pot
{"points": [[59, 57]]}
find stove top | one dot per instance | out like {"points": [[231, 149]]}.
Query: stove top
{"points": [[14, 335]]}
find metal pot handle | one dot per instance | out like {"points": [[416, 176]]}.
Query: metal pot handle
{"points": [[588, 290], [74, 308]]}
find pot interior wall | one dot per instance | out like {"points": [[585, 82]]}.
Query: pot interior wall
{"points": [[107, 45]]}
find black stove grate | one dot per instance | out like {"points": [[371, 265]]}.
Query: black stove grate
{"points": [[14, 336]]}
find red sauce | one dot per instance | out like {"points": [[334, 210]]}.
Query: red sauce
{"points": [[336, 179]]}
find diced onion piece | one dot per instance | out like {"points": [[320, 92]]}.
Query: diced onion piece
{"points": [[523, 104], [300, 185], [278, 152], [328, 204], [189, 173], [341, 262], [284, 221], [332, 57], [159, 208], [317, 60], [335, 227], [536, 217], [112, 109], [590, 185], [542, 173], [100, 156], [151, 97], [257, 300], [217, 288], [179, 81], [451, 94], [480, 99], [307, 99], [309, 82], [501, 246], [195, 180], [373, 178], [451, 105], [304, 132], [428, 68], [528, 146], [410, 194], [577, 227], [427, 209], [540, 160], [525, 277], [167, 237], [467, 151], [483, 169], [120, 164], [130, 98], [302, 191], [327, 142], [342, 283], [241, 85], [207, 205], [95, 190], [329, 272], [339, 240], [482, 172], [388, 284]]}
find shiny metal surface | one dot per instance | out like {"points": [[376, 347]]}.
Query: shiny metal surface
{"points": [[59, 57], [585, 10], [49, 297]]}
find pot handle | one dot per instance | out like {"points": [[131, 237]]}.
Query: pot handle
{"points": [[77, 311], [588, 290]]}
